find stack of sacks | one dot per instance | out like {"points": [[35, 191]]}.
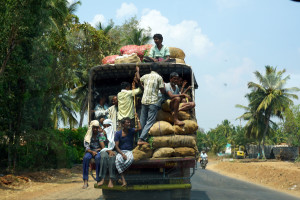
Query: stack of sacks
{"points": [[142, 152], [139, 50], [171, 140]]}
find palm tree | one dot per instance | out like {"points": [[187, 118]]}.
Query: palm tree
{"points": [[269, 98], [138, 37], [105, 29], [81, 94], [64, 108]]}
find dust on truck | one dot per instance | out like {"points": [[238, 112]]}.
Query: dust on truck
{"points": [[169, 177]]}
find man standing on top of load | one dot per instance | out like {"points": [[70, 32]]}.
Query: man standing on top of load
{"points": [[125, 101], [159, 52], [152, 83]]}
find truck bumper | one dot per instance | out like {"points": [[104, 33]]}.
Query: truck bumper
{"points": [[146, 187]]}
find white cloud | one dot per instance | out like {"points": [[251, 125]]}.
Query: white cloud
{"points": [[186, 35], [127, 9], [98, 18]]}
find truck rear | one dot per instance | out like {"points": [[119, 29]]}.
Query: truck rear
{"points": [[169, 177]]}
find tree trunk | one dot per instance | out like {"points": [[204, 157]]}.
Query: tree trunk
{"points": [[258, 154], [264, 137]]}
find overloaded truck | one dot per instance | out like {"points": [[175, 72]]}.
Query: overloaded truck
{"points": [[167, 175]]}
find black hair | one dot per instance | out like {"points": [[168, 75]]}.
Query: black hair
{"points": [[99, 97], [154, 67], [174, 74], [158, 36], [124, 120], [124, 85]]}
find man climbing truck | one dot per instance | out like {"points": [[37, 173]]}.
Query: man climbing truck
{"points": [[168, 162]]}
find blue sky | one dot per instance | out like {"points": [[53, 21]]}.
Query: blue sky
{"points": [[225, 41]]}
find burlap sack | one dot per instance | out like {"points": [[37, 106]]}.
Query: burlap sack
{"points": [[179, 130], [182, 115], [164, 116], [132, 58], [176, 53], [163, 152], [184, 151], [142, 152], [190, 126], [166, 106], [173, 141], [161, 128], [179, 61]]}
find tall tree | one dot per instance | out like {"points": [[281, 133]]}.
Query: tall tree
{"points": [[269, 96]]}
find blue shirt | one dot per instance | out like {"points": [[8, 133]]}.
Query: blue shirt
{"points": [[125, 143]]}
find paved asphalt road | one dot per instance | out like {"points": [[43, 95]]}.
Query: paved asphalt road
{"points": [[208, 185]]}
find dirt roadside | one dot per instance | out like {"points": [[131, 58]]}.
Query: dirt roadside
{"points": [[276, 175], [50, 184], [66, 183]]}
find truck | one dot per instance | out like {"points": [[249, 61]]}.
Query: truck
{"points": [[167, 178]]}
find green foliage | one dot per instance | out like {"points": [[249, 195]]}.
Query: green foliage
{"points": [[49, 149], [291, 125], [202, 142]]}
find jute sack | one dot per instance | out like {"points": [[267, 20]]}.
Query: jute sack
{"points": [[182, 115], [132, 58], [179, 61], [190, 126], [164, 116], [142, 152], [166, 106], [163, 152], [178, 130], [184, 151], [173, 141], [176, 53], [161, 128]]}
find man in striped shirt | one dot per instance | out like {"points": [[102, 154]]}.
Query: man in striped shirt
{"points": [[152, 83]]}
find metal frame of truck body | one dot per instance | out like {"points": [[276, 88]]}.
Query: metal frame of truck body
{"points": [[106, 79], [112, 76]]}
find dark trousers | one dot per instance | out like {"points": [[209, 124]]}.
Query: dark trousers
{"points": [[148, 117], [109, 163], [86, 161]]}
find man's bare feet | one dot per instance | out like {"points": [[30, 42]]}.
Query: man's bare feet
{"points": [[179, 123], [124, 183], [100, 182], [110, 184], [85, 185]]}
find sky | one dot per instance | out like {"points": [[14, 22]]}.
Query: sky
{"points": [[225, 42]]}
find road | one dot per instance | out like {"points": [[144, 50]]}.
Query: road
{"points": [[208, 185]]}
